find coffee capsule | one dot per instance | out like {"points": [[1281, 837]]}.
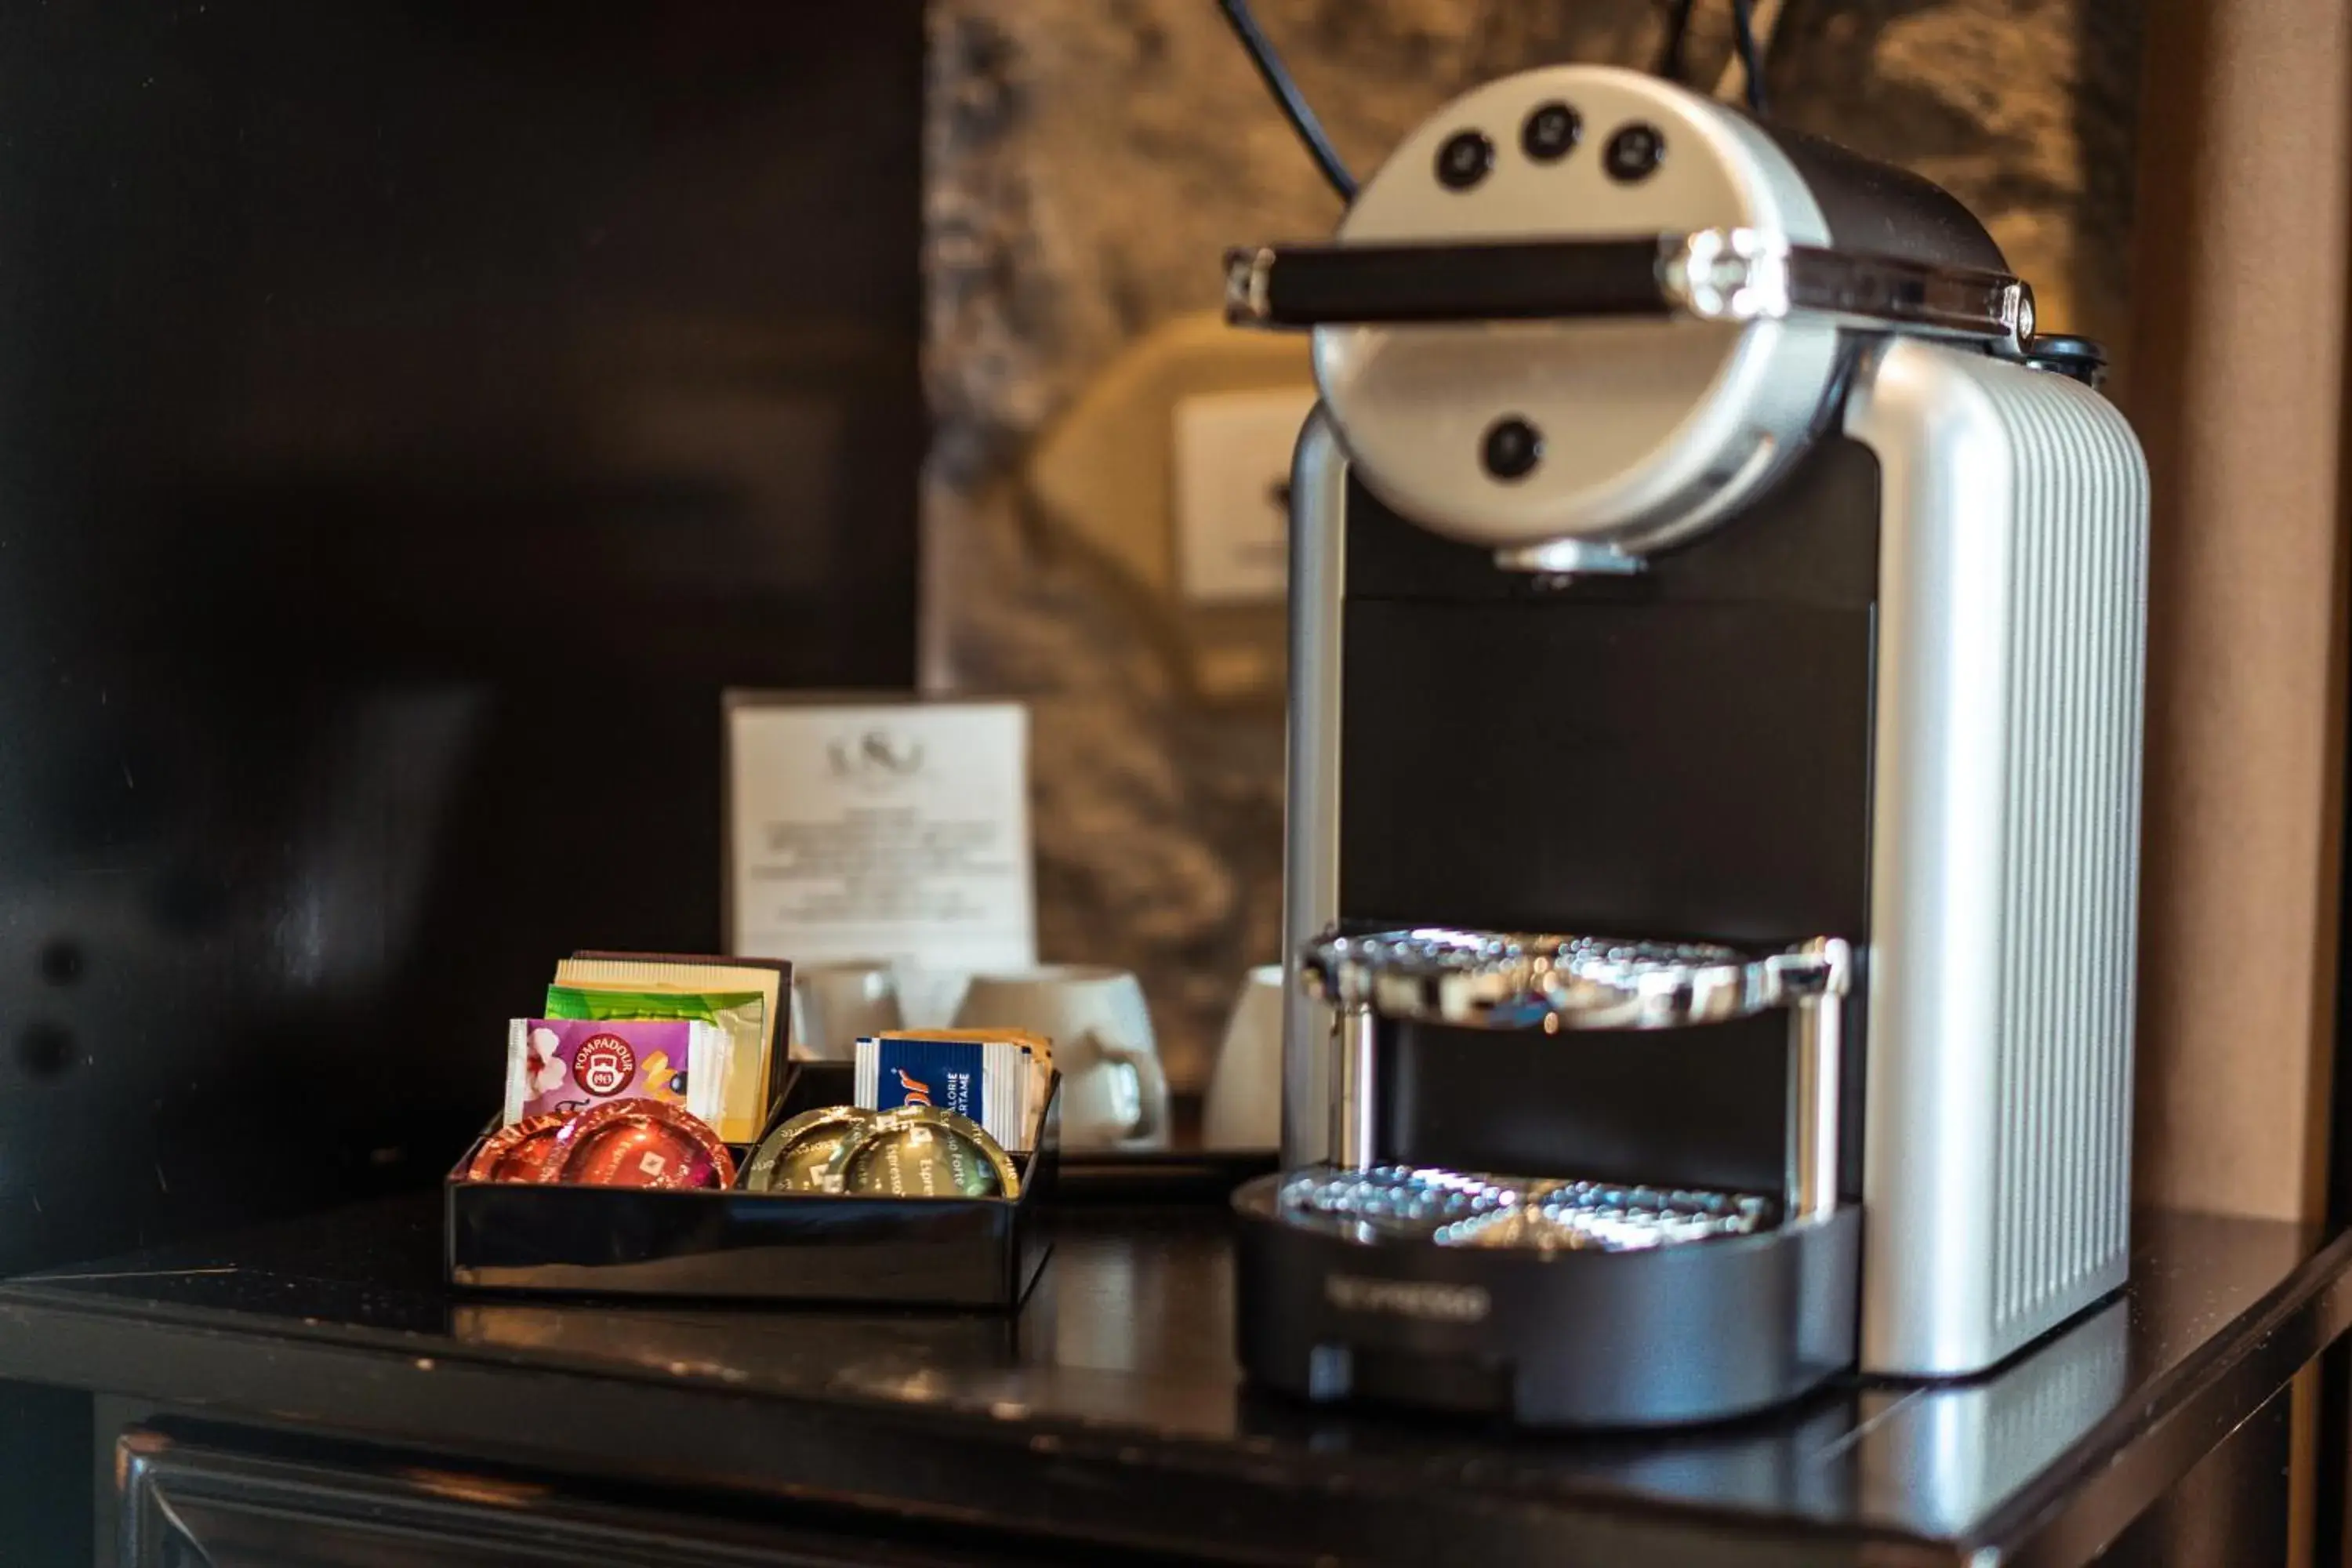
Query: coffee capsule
{"points": [[518, 1153], [923, 1152], [640, 1143], [798, 1156]]}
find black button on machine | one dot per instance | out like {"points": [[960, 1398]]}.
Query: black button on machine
{"points": [[1512, 448], [1465, 160], [1551, 132], [2080, 358], [1633, 153]]}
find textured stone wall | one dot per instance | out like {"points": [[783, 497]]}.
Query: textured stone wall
{"points": [[1090, 159]]}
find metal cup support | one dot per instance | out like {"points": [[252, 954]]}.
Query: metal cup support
{"points": [[1486, 980]]}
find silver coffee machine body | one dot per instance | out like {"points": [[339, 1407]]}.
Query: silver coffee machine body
{"points": [[1715, 746]]}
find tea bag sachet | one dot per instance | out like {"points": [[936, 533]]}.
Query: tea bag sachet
{"points": [[559, 1066], [742, 1018], [756, 1063]]}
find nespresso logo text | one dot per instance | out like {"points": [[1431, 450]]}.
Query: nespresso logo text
{"points": [[1407, 1298]]}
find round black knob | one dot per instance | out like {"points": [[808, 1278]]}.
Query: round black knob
{"points": [[1512, 448], [2080, 358], [1634, 152], [1465, 160], [1551, 132]]}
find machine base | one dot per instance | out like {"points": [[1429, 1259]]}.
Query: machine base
{"points": [[1663, 1336]]}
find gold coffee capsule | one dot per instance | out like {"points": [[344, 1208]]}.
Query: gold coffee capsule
{"points": [[798, 1156], [923, 1152]]}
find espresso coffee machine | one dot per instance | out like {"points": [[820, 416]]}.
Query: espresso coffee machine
{"points": [[1715, 748]]}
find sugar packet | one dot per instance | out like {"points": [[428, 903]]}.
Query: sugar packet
{"points": [[997, 1082]]}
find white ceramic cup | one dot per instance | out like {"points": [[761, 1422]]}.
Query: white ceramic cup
{"points": [[1113, 1094], [1244, 1105], [836, 1005]]}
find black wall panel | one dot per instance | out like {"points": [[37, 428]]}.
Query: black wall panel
{"points": [[411, 416]]}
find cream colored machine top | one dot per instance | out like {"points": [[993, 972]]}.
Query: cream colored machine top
{"points": [[1650, 428]]}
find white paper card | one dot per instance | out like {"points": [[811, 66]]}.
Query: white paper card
{"points": [[894, 831]]}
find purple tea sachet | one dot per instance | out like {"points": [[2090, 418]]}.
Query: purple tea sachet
{"points": [[558, 1065]]}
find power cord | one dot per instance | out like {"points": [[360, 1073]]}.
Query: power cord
{"points": [[1673, 61], [1286, 94], [1293, 104], [1751, 62], [1671, 64]]}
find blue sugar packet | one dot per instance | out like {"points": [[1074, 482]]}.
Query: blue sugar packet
{"points": [[949, 1074], [997, 1083]]}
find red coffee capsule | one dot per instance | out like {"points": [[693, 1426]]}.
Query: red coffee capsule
{"points": [[518, 1153], [639, 1143]]}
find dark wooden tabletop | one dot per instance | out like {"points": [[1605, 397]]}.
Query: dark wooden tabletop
{"points": [[1110, 1410]]}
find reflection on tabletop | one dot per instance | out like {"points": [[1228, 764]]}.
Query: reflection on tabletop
{"points": [[1131, 1327]]}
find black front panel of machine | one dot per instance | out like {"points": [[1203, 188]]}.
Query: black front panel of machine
{"points": [[1684, 755]]}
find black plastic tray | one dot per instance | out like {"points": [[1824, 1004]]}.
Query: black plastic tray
{"points": [[719, 1246]]}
